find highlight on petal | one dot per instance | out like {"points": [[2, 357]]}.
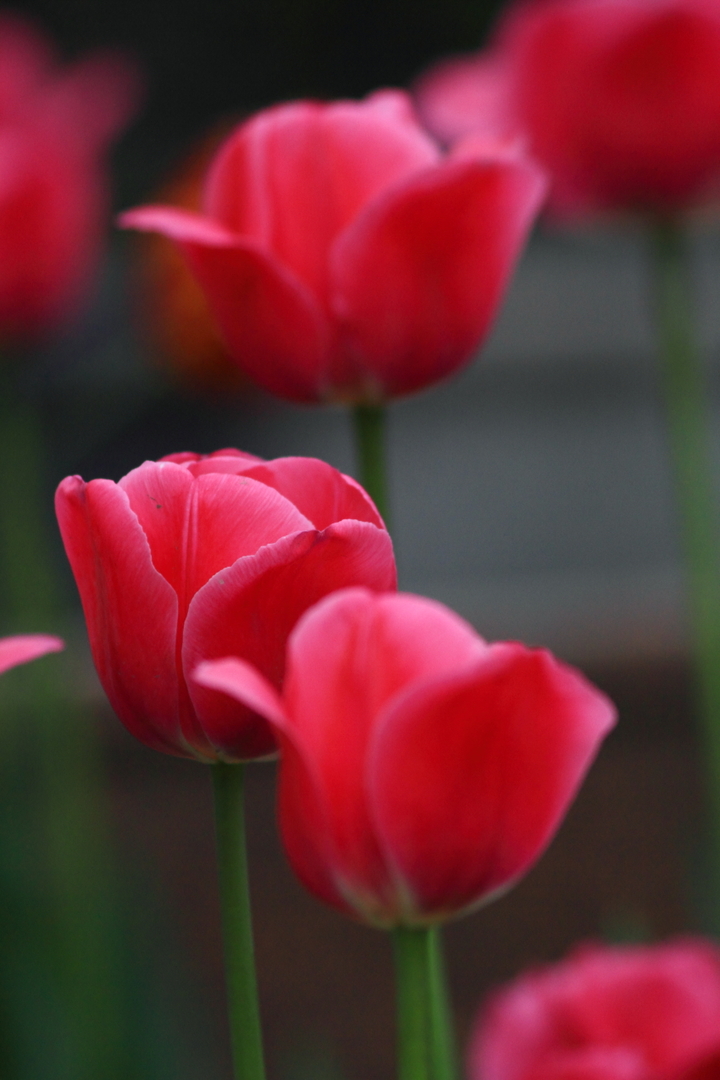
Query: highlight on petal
{"points": [[21, 648], [419, 277], [466, 95]]}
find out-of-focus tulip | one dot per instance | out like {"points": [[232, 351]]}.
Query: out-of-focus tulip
{"points": [[175, 314], [195, 557], [56, 124], [343, 256], [618, 99], [22, 648], [607, 1013], [423, 771]]}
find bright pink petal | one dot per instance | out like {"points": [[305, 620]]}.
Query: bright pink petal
{"points": [[227, 460], [250, 610], [471, 777], [243, 682], [198, 526], [320, 492], [466, 95], [293, 177], [420, 275], [130, 610], [348, 658], [22, 648]]}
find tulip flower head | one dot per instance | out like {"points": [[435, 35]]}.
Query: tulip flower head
{"points": [[193, 557], [55, 127], [606, 1013], [22, 648], [343, 256], [423, 771], [618, 99]]}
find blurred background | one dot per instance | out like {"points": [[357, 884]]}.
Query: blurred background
{"points": [[531, 493]]}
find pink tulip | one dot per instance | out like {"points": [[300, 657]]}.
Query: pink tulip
{"points": [[55, 128], [618, 99], [423, 771], [343, 256], [193, 557], [22, 648], [607, 1013]]}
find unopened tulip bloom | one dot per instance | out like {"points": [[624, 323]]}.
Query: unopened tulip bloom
{"points": [[606, 1013], [343, 255], [618, 99], [423, 771], [22, 648], [195, 557], [56, 124]]}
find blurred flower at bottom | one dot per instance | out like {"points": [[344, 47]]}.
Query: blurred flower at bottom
{"points": [[606, 1013]]}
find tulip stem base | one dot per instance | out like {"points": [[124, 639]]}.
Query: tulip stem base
{"points": [[444, 1049], [244, 1011], [689, 425], [369, 422], [426, 1043]]}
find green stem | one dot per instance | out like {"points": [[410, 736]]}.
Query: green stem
{"points": [[444, 1049], [690, 444], [369, 423], [243, 1006], [412, 975]]}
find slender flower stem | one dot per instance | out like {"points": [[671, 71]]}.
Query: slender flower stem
{"points": [[444, 1050], [243, 1006], [690, 444], [412, 975], [369, 422]]}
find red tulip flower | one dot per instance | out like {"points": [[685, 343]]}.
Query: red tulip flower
{"points": [[422, 771], [22, 648], [194, 557], [56, 125], [343, 256], [618, 99], [623, 1013]]}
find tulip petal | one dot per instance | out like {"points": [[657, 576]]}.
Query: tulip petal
{"points": [[470, 778], [420, 274], [250, 609], [22, 648], [305, 831], [349, 657], [319, 491], [295, 175], [130, 609], [272, 324], [198, 526]]}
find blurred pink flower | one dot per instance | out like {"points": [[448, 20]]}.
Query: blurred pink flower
{"points": [[56, 124], [618, 99], [607, 1013]]}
